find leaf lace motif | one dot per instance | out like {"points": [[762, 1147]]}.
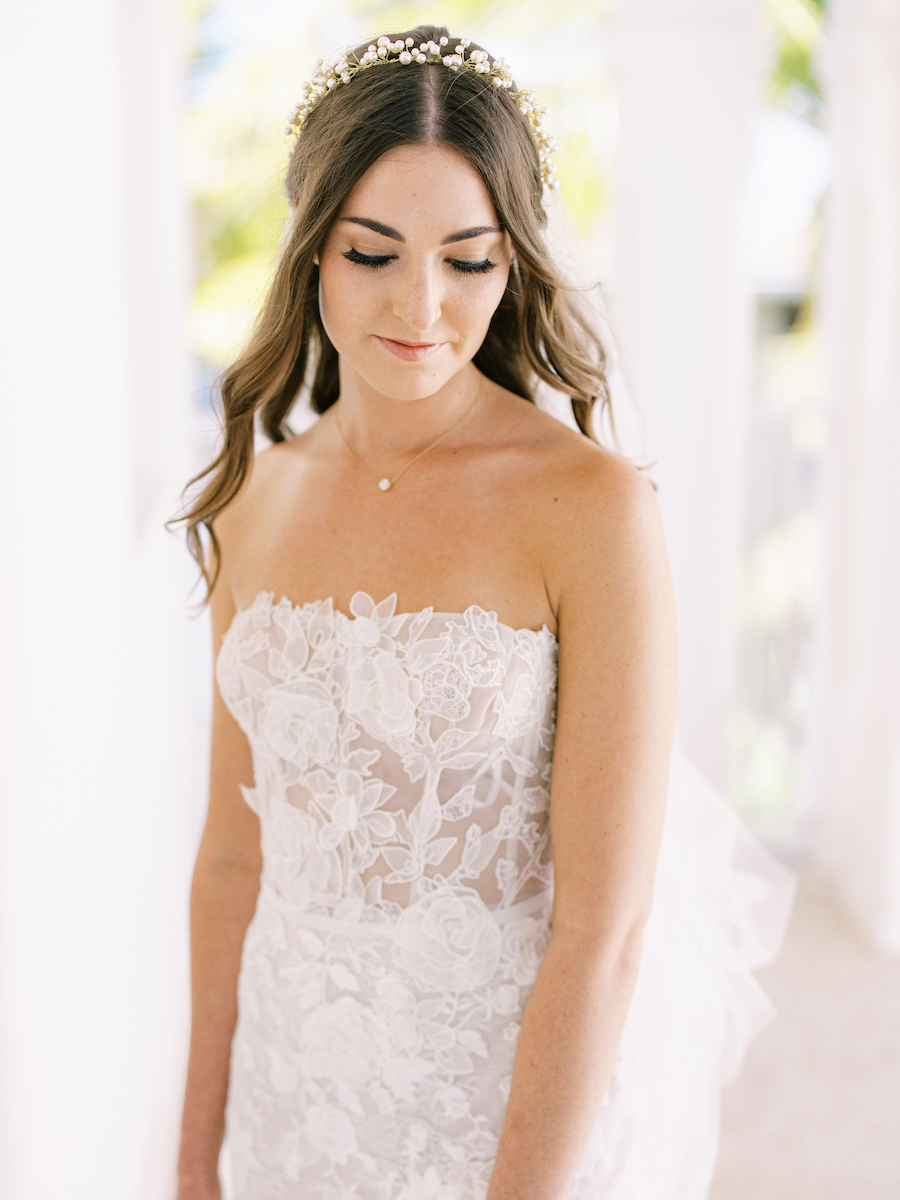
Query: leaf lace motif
{"points": [[402, 767], [381, 733]]}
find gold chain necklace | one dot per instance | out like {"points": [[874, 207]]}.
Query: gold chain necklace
{"points": [[386, 484]]}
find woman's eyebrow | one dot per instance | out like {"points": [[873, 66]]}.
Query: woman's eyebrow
{"points": [[377, 227], [388, 231], [465, 234]]}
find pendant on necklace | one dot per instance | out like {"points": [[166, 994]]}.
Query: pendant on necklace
{"points": [[384, 484]]}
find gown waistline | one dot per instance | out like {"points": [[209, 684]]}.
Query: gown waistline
{"points": [[541, 902]]}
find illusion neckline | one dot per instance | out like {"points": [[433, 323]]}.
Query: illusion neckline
{"points": [[269, 598]]}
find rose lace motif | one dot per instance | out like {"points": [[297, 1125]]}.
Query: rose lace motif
{"points": [[402, 769]]}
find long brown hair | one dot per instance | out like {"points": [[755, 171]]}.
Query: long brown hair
{"points": [[538, 331]]}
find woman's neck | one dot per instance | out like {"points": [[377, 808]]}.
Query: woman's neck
{"points": [[387, 427]]}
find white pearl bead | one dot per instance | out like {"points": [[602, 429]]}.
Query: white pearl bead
{"points": [[384, 484], [405, 57]]}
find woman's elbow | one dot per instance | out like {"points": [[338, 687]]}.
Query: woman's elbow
{"points": [[605, 947]]}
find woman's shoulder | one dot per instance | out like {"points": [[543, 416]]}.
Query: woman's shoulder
{"points": [[594, 513], [573, 475], [269, 472]]}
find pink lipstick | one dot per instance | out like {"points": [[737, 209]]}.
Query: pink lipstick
{"points": [[410, 351]]}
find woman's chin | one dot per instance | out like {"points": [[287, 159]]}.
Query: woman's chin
{"points": [[410, 381]]}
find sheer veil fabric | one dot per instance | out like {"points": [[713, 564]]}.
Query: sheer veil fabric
{"points": [[574, 266]]}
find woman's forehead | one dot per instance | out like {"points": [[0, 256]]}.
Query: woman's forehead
{"points": [[433, 185]]}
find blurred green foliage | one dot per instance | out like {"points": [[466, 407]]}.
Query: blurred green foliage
{"points": [[798, 29], [236, 158]]}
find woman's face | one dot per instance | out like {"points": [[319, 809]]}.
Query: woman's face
{"points": [[411, 272]]}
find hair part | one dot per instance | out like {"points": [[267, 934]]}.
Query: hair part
{"points": [[538, 333]]}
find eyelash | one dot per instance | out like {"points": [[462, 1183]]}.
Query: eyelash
{"points": [[376, 261]]}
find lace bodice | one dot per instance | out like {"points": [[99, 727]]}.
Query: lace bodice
{"points": [[396, 755]]}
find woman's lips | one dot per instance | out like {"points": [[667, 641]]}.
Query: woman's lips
{"points": [[410, 351]]}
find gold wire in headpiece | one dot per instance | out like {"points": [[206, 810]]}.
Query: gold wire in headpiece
{"points": [[327, 76]]}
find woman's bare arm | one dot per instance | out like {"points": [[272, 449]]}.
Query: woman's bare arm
{"points": [[612, 591], [223, 897]]}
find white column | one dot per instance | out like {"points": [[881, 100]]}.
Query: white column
{"points": [[856, 743], [98, 780], [689, 76]]}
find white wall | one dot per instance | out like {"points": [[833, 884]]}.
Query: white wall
{"points": [[689, 75], [856, 742], [99, 780]]}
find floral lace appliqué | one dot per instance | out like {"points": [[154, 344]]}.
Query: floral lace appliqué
{"points": [[402, 766]]}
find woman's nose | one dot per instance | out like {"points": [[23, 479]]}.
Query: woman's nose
{"points": [[417, 300]]}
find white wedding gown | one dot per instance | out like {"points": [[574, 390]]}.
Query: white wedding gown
{"points": [[402, 780]]}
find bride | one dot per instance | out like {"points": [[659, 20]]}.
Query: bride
{"points": [[419, 604]]}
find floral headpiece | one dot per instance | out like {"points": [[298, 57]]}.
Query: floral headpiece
{"points": [[327, 76]]}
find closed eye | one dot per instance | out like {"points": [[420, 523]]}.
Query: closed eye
{"points": [[465, 267], [375, 262]]}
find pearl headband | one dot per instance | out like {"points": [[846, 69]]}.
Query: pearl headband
{"points": [[327, 76]]}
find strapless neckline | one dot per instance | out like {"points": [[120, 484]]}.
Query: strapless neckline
{"points": [[267, 598], [409, 724]]}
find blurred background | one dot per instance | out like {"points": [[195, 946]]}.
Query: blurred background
{"points": [[734, 167]]}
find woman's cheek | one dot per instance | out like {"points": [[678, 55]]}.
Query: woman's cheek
{"points": [[341, 299], [484, 300]]}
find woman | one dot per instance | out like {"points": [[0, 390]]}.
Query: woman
{"points": [[416, 603]]}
